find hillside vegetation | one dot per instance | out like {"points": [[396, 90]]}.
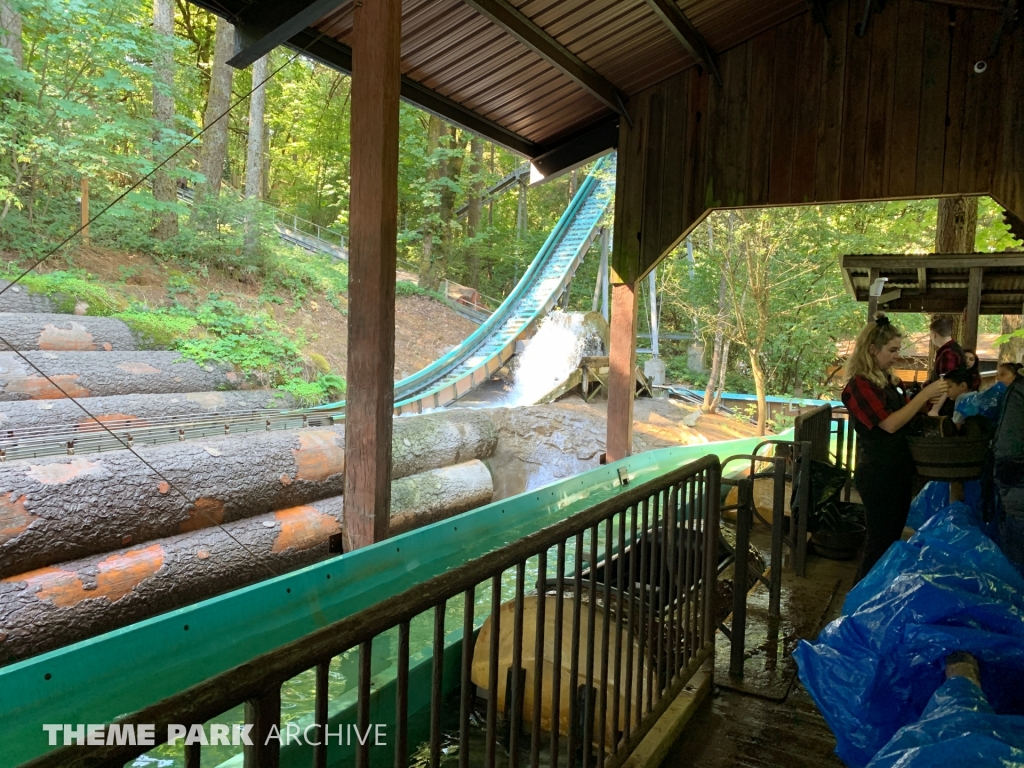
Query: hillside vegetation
{"points": [[288, 331]]}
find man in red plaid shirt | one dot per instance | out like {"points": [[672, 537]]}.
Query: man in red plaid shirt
{"points": [[948, 355]]}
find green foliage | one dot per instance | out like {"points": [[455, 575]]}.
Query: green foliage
{"points": [[159, 328], [68, 287], [405, 288], [323, 388]]}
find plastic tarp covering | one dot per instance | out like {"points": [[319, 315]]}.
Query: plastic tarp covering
{"points": [[958, 729], [934, 497], [949, 588]]}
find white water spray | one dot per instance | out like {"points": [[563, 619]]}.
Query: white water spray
{"points": [[562, 340]]}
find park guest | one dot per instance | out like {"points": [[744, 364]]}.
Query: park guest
{"points": [[959, 385], [1007, 372], [948, 354], [880, 415], [972, 365]]}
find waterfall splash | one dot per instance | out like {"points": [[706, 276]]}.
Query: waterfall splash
{"points": [[562, 340]]}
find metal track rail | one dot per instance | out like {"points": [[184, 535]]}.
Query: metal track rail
{"points": [[71, 439]]}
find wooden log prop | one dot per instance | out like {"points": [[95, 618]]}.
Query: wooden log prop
{"points": [[57, 605], [65, 333], [617, 647], [137, 409], [54, 510], [429, 497], [87, 374], [16, 298]]}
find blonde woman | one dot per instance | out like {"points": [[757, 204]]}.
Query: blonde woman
{"points": [[880, 413]]}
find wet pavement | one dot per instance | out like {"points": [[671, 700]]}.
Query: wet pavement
{"points": [[767, 719]]}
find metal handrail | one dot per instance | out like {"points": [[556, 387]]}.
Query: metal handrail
{"points": [[673, 532]]}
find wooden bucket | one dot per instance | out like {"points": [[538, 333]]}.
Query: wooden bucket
{"points": [[949, 458]]}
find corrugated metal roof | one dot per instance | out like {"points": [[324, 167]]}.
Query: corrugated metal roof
{"points": [[453, 50], [945, 286]]}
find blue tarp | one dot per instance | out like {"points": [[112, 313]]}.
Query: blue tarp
{"points": [[948, 588], [958, 729]]}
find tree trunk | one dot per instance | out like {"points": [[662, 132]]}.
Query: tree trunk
{"points": [[38, 331], [51, 607], [44, 518], [1013, 350], [88, 374], [955, 232], [722, 371], [10, 33], [428, 275], [710, 403], [214, 152], [164, 187], [475, 211], [254, 148], [759, 388]]}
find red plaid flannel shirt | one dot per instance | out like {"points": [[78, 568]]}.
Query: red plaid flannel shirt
{"points": [[865, 401], [948, 359]]}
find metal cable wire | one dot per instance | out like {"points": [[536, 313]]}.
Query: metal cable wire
{"points": [[160, 165], [127, 447], [78, 231]]}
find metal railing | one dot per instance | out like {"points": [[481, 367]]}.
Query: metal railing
{"points": [[295, 229], [815, 426], [783, 468], [845, 446], [631, 596]]}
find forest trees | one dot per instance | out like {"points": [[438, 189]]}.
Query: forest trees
{"points": [[164, 186]]}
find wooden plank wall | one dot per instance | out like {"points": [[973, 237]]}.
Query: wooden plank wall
{"points": [[804, 118]]}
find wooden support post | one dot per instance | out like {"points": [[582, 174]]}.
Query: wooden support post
{"points": [[872, 300], [85, 210], [621, 376], [605, 236], [264, 714], [376, 78], [970, 340]]}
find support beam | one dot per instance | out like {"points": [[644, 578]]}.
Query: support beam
{"points": [[376, 78], [621, 377], [517, 24], [872, 300], [684, 31], [973, 308], [266, 24], [576, 149]]}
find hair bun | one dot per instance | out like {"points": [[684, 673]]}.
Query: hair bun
{"points": [[881, 319]]}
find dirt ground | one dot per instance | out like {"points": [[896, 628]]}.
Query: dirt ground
{"points": [[658, 422], [424, 329]]}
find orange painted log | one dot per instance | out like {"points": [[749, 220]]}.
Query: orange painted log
{"points": [[55, 510], [54, 606]]}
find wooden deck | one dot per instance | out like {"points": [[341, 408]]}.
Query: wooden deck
{"points": [[740, 730]]}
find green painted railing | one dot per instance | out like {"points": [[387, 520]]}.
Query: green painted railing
{"points": [[97, 680]]}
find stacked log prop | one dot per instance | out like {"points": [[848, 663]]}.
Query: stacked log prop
{"points": [[92, 543], [65, 333], [89, 374], [15, 298]]}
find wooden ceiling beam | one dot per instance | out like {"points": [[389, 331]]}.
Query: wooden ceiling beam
{"points": [[682, 28], [517, 24]]}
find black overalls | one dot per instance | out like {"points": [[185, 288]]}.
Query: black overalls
{"points": [[884, 479]]}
